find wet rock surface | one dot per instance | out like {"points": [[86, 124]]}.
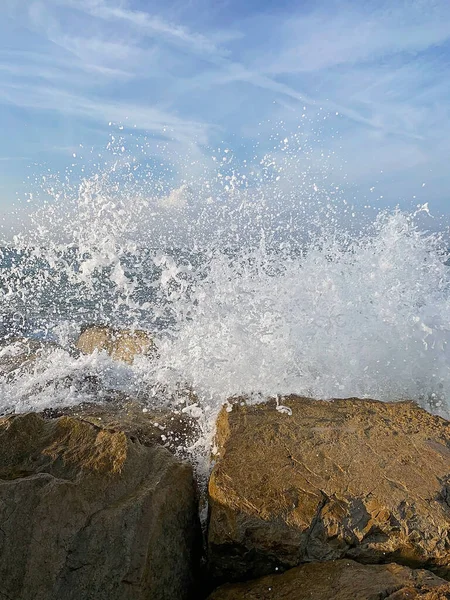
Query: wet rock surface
{"points": [[170, 428], [340, 580], [87, 513], [314, 481], [120, 344], [18, 354]]}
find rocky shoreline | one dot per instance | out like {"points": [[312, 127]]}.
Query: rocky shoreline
{"points": [[307, 499]]}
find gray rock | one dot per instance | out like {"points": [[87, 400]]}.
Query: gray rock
{"points": [[18, 355]]}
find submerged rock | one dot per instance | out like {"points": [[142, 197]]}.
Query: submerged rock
{"points": [[19, 354], [340, 580], [89, 513], [303, 480], [120, 344]]}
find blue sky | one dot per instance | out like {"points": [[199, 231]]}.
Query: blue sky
{"points": [[195, 74]]}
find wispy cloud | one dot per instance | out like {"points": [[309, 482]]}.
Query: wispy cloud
{"points": [[373, 75], [351, 34], [13, 158], [149, 24], [147, 118]]}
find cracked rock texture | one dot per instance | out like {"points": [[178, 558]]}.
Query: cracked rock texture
{"points": [[340, 580], [87, 513], [335, 479]]}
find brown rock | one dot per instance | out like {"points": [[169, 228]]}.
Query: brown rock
{"points": [[120, 344], [340, 580], [346, 478], [170, 428], [87, 513]]}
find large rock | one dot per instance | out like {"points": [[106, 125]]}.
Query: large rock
{"points": [[346, 478], [87, 513], [340, 580], [120, 344]]}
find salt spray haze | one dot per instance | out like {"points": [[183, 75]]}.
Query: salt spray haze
{"points": [[254, 281]]}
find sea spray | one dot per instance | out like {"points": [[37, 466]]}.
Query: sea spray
{"points": [[346, 318], [257, 290]]}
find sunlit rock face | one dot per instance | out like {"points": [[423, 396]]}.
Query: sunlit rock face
{"points": [[304, 480]]}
